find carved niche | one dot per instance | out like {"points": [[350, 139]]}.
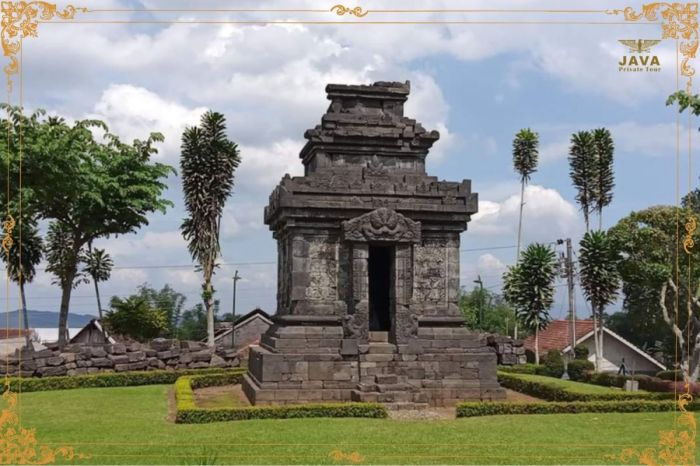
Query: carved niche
{"points": [[383, 224]]}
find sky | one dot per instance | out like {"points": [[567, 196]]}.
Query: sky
{"points": [[477, 84]]}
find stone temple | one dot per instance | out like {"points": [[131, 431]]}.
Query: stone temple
{"points": [[368, 267]]}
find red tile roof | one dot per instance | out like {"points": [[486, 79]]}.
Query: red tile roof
{"points": [[6, 333], [557, 335]]}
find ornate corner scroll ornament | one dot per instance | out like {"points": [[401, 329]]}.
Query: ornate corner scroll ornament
{"points": [[339, 455], [352, 327], [19, 20], [690, 228], [8, 225], [676, 447], [19, 445], [383, 224], [679, 21], [342, 10]]}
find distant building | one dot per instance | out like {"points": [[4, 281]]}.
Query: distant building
{"points": [[12, 339], [246, 330], [92, 334], [50, 334], [615, 348]]}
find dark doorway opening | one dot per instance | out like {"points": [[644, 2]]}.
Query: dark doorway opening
{"points": [[381, 281]]}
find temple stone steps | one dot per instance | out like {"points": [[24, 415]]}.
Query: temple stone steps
{"points": [[406, 406], [379, 337]]}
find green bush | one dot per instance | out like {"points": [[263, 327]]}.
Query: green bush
{"points": [[552, 392], [578, 369], [553, 364], [670, 375], [636, 406], [580, 352], [110, 379], [188, 413], [530, 356], [605, 380]]}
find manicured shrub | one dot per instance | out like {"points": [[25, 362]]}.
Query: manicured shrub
{"points": [[552, 392], [670, 375], [110, 379], [553, 364], [520, 369], [578, 369], [636, 406], [605, 380], [530, 356], [580, 352], [188, 413]]}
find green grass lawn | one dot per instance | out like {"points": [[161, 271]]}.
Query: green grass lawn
{"points": [[570, 385], [128, 425]]}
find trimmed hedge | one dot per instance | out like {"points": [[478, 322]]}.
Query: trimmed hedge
{"points": [[110, 379], [670, 375], [199, 416], [188, 413], [551, 392], [638, 406], [528, 368]]}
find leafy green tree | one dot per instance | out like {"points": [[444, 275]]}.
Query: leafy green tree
{"points": [[498, 317], [600, 280], [89, 185], [98, 265], [23, 257], [208, 162], [582, 169], [659, 278], [193, 325], [169, 301], [604, 174], [134, 317], [63, 257], [529, 288]]}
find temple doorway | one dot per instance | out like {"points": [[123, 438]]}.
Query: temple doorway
{"points": [[381, 283]]}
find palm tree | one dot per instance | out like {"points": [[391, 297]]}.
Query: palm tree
{"points": [[529, 288], [599, 280], [99, 267], [208, 162], [21, 260], [582, 169], [604, 176], [525, 155]]}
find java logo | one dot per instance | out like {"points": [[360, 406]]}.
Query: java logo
{"points": [[639, 57]]}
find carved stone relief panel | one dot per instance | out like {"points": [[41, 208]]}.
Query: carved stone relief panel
{"points": [[430, 274], [323, 270]]}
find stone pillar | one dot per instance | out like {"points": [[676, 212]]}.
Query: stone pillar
{"points": [[360, 288], [452, 248], [403, 288]]}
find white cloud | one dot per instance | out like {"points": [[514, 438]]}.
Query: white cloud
{"points": [[132, 112], [546, 216]]}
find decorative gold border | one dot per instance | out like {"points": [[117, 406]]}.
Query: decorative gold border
{"points": [[19, 20]]}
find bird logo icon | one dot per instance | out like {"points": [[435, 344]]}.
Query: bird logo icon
{"points": [[639, 45]]}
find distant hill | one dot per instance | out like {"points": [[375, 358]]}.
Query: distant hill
{"points": [[44, 319]]}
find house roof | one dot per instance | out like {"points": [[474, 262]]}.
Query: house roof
{"points": [[6, 333], [94, 323], [556, 336], [242, 320]]}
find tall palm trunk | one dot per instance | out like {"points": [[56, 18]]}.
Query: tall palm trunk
{"points": [[517, 252], [66, 289], [596, 342], [537, 345], [25, 314], [97, 288]]}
